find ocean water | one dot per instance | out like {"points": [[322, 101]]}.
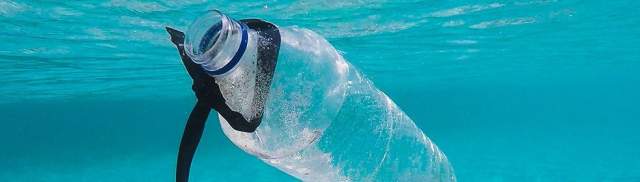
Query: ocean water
{"points": [[523, 90]]}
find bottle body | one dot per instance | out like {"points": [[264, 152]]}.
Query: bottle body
{"points": [[324, 121]]}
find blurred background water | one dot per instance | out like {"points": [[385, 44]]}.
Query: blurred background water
{"points": [[510, 90]]}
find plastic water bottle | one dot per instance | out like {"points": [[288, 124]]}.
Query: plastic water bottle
{"points": [[323, 120]]}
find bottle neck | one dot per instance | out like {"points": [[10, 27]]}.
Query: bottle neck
{"points": [[217, 42]]}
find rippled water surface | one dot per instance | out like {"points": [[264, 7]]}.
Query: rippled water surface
{"points": [[523, 90]]}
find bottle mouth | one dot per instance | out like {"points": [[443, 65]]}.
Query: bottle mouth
{"points": [[216, 42]]}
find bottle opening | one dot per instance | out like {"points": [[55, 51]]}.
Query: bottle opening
{"points": [[210, 38], [216, 42]]}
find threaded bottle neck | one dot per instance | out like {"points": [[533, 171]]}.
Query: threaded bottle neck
{"points": [[216, 42]]}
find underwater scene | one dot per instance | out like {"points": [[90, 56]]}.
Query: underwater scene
{"points": [[410, 90]]}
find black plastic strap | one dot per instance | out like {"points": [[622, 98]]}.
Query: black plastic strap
{"points": [[190, 139]]}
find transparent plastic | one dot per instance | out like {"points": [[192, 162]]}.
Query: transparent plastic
{"points": [[324, 121]]}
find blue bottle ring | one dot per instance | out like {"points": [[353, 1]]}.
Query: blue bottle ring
{"points": [[236, 58]]}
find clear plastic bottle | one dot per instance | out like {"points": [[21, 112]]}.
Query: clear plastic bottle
{"points": [[323, 120]]}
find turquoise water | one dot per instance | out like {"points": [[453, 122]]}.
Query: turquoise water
{"points": [[528, 90]]}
